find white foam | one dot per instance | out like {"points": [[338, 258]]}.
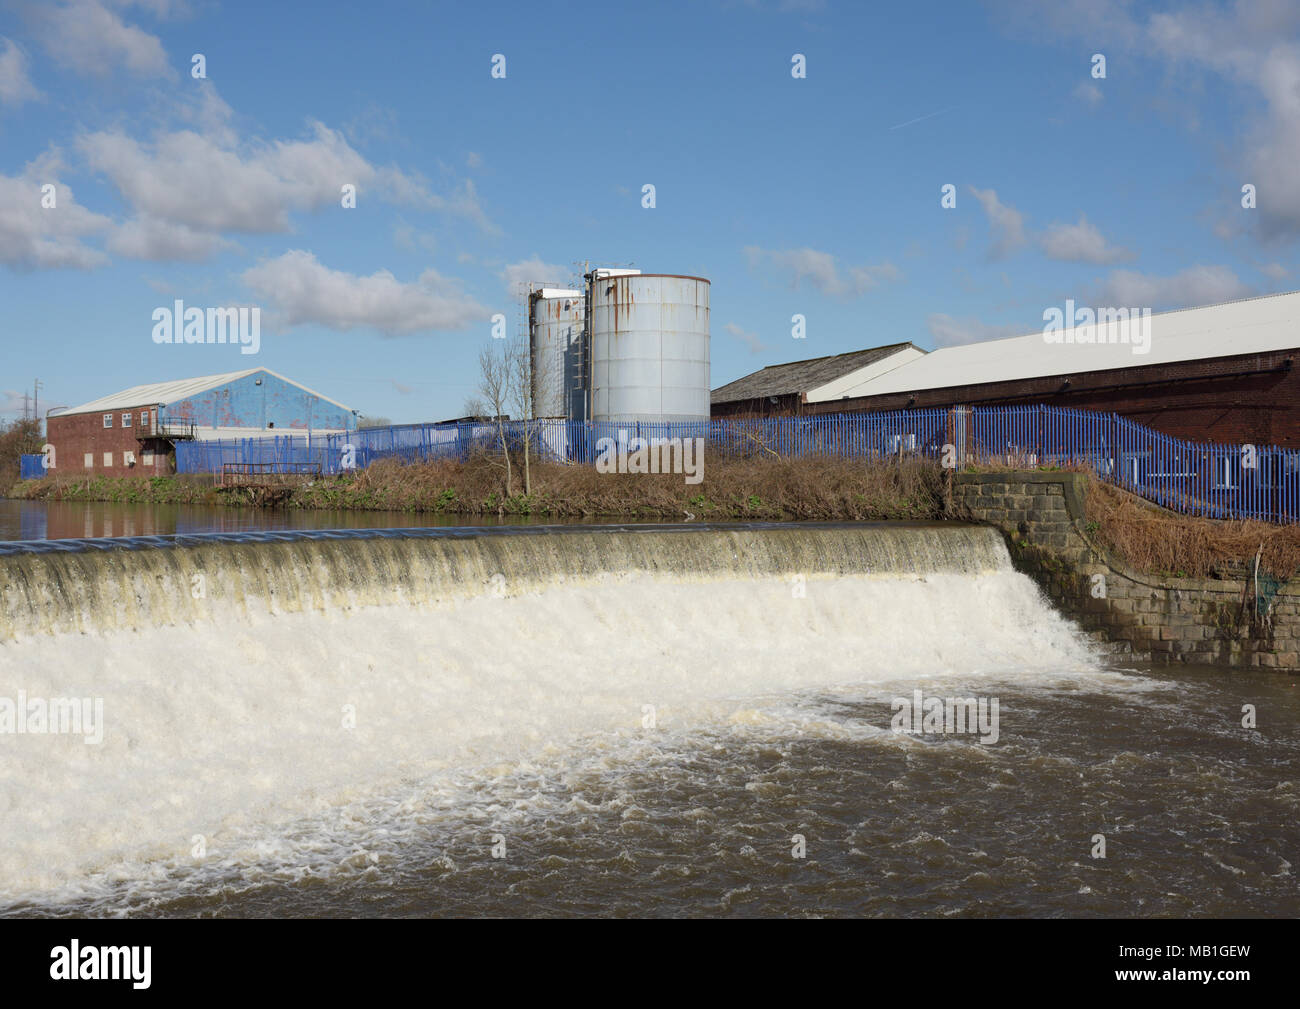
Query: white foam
{"points": [[235, 734]]}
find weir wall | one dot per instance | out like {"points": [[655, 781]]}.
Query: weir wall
{"points": [[1165, 620]]}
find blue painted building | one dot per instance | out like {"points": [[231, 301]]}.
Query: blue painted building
{"points": [[251, 403], [135, 430]]}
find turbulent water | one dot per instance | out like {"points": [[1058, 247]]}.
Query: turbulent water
{"points": [[627, 721]]}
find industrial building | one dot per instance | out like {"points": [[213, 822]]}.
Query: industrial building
{"points": [[784, 389], [134, 431], [1223, 373], [626, 346]]}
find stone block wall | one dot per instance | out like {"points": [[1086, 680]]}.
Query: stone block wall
{"points": [[1204, 620]]}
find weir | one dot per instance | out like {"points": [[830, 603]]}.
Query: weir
{"points": [[132, 584], [261, 695]]}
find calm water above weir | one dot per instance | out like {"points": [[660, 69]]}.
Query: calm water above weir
{"points": [[61, 520], [623, 722]]}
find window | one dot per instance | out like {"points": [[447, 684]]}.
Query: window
{"points": [[146, 458], [128, 459], [126, 419], [108, 420], [108, 459], [90, 460], [144, 418]]}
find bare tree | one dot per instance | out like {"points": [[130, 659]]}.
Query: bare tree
{"points": [[474, 407], [520, 363], [494, 384]]}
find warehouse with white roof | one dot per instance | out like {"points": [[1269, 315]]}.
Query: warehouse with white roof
{"points": [[1222, 373]]}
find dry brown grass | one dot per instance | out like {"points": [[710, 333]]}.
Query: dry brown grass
{"points": [[1154, 540], [758, 488]]}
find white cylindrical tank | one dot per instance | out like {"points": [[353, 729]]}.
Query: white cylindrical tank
{"points": [[649, 347], [555, 326]]}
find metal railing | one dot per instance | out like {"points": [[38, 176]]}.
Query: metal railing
{"points": [[1219, 481], [266, 474]]}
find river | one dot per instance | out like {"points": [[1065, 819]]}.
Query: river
{"points": [[619, 722], [61, 520]]}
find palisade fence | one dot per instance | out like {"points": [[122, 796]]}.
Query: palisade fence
{"points": [[1218, 481], [31, 467]]}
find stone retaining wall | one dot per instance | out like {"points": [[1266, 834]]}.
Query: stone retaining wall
{"points": [[1161, 619]]}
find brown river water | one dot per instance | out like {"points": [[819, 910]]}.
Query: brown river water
{"points": [[623, 722]]}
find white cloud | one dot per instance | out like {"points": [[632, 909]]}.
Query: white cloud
{"points": [[948, 331], [192, 180], [1275, 271], [535, 271], [474, 160], [88, 37], [1008, 224], [750, 340], [1250, 43], [302, 291], [1195, 286], [35, 238], [1081, 243], [1089, 94], [15, 86], [147, 237], [822, 271], [188, 187], [413, 239]]}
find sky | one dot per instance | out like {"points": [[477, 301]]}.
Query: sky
{"points": [[1113, 183]]}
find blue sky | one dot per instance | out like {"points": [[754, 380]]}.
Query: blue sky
{"points": [[818, 196]]}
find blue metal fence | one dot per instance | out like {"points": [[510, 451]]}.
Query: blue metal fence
{"points": [[1219, 481], [30, 468]]}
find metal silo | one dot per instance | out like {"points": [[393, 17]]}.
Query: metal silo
{"points": [[555, 327], [649, 347]]}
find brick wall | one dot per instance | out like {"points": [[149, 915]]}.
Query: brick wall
{"points": [[1251, 399], [1160, 619], [76, 435]]}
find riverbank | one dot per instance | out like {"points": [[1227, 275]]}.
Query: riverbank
{"points": [[755, 489], [1142, 536], [1225, 604]]}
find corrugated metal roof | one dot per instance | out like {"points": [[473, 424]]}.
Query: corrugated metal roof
{"points": [[170, 392], [801, 376], [1251, 326]]}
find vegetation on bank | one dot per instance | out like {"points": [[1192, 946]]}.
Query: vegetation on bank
{"points": [[758, 489], [1143, 536], [17, 438], [1157, 541]]}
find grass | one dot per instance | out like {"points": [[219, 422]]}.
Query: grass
{"points": [[1143, 536], [826, 488], [1151, 539], [813, 488]]}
